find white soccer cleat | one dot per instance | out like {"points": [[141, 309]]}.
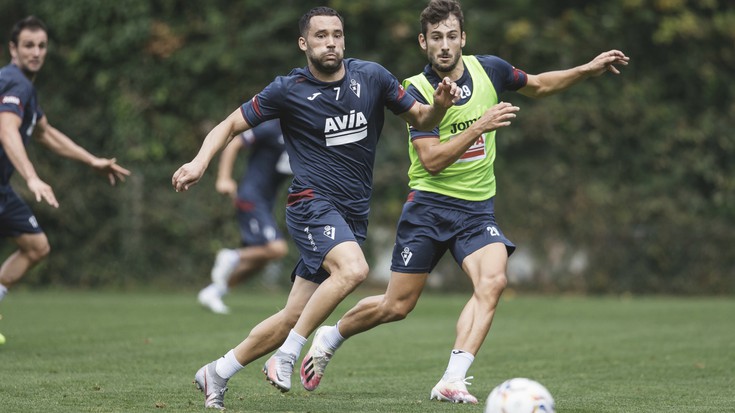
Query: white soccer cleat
{"points": [[214, 387], [315, 362], [224, 265], [278, 370], [209, 298], [454, 391]]}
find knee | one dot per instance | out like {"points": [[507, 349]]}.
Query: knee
{"points": [[277, 250], [358, 271], [395, 311], [37, 251], [354, 272], [491, 285]]}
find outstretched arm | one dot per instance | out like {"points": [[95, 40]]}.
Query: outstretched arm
{"points": [[12, 143], [225, 185], [190, 173], [62, 145], [548, 83], [435, 156], [427, 117]]}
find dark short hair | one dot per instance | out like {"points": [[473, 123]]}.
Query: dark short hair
{"points": [[305, 20], [439, 10], [31, 23]]}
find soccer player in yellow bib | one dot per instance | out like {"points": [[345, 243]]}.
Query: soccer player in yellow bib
{"points": [[450, 205]]}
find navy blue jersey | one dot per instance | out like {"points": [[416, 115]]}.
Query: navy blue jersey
{"points": [[17, 95], [267, 166], [502, 74], [332, 129]]}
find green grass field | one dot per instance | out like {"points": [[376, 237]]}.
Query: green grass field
{"points": [[137, 352]]}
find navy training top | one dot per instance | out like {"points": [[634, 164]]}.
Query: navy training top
{"points": [[267, 166], [332, 129], [17, 95]]}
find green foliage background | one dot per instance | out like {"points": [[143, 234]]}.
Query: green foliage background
{"points": [[632, 176]]}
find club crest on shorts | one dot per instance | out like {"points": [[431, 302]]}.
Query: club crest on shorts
{"points": [[406, 254], [329, 231]]}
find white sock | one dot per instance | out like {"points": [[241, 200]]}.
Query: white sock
{"points": [[228, 365], [459, 362], [332, 338], [3, 291], [213, 289], [221, 290], [293, 344]]}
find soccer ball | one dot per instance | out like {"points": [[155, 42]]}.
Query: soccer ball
{"points": [[520, 395]]}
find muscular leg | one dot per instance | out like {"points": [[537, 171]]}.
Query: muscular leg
{"points": [[32, 248], [486, 268], [347, 268], [400, 298], [271, 332]]}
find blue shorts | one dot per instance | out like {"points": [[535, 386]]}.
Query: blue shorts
{"points": [[431, 224], [16, 217], [316, 226], [257, 224]]}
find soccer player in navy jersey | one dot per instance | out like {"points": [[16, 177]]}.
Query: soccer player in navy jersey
{"points": [[451, 203], [20, 115], [331, 114], [262, 242]]}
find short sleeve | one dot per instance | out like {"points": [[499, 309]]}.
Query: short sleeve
{"points": [[503, 75], [266, 104]]}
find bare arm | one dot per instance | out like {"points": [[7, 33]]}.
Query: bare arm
{"points": [[12, 143], [62, 145], [435, 156], [225, 185], [426, 117], [548, 83], [190, 173]]}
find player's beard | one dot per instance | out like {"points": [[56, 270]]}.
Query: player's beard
{"points": [[31, 72], [444, 68], [328, 67], [29, 67]]}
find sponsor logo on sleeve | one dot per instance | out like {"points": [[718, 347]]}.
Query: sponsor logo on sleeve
{"points": [[13, 100]]}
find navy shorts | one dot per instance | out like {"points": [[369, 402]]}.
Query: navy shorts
{"points": [[16, 217], [257, 224], [431, 224], [316, 226]]}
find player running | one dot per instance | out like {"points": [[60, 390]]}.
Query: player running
{"points": [[21, 118], [331, 114], [451, 202], [262, 242]]}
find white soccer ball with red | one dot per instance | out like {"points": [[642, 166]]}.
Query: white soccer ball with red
{"points": [[520, 395]]}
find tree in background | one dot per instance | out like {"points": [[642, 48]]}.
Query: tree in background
{"points": [[644, 181]]}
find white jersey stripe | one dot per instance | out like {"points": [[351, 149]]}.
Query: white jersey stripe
{"points": [[342, 139]]}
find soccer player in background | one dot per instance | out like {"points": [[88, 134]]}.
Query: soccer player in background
{"points": [[450, 204], [20, 116], [331, 114], [262, 241]]}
